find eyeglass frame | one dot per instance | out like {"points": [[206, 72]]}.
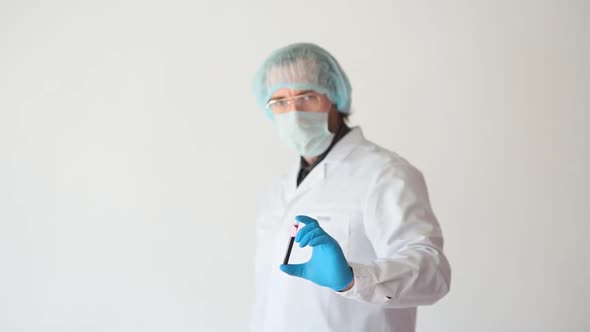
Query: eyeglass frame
{"points": [[291, 100]]}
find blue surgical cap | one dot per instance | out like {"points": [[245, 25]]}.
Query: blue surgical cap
{"points": [[302, 66]]}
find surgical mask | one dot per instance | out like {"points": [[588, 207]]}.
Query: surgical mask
{"points": [[305, 132]]}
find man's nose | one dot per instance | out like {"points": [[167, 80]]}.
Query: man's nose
{"points": [[291, 106]]}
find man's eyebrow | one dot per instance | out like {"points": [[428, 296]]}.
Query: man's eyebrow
{"points": [[298, 94]]}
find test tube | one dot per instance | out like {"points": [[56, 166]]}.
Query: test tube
{"points": [[291, 241]]}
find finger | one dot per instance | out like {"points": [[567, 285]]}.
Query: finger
{"points": [[306, 229], [293, 269], [305, 219], [309, 236], [322, 239]]}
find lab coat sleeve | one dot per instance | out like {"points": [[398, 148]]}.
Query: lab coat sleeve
{"points": [[259, 305], [257, 308], [410, 269]]}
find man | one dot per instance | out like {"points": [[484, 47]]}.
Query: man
{"points": [[370, 250]]}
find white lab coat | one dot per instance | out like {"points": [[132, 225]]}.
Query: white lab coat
{"points": [[375, 204]]}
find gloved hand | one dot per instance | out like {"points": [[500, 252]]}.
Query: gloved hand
{"points": [[327, 266]]}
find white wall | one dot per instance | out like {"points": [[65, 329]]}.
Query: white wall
{"points": [[132, 155]]}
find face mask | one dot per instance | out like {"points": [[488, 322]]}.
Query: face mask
{"points": [[305, 132]]}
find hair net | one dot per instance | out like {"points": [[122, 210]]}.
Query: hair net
{"points": [[303, 66]]}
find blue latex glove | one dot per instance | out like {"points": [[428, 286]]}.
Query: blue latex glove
{"points": [[328, 266]]}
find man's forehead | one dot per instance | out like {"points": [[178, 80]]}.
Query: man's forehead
{"points": [[286, 92]]}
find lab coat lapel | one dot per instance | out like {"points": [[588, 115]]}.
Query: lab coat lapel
{"points": [[290, 182], [342, 149], [315, 176], [293, 192], [338, 153]]}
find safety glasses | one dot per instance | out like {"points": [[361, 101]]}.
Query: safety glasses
{"points": [[307, 102]]}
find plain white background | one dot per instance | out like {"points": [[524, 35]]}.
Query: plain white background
{"points": [[133, 157]]}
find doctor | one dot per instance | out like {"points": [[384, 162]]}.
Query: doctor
{"points": [[370, 250]]}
